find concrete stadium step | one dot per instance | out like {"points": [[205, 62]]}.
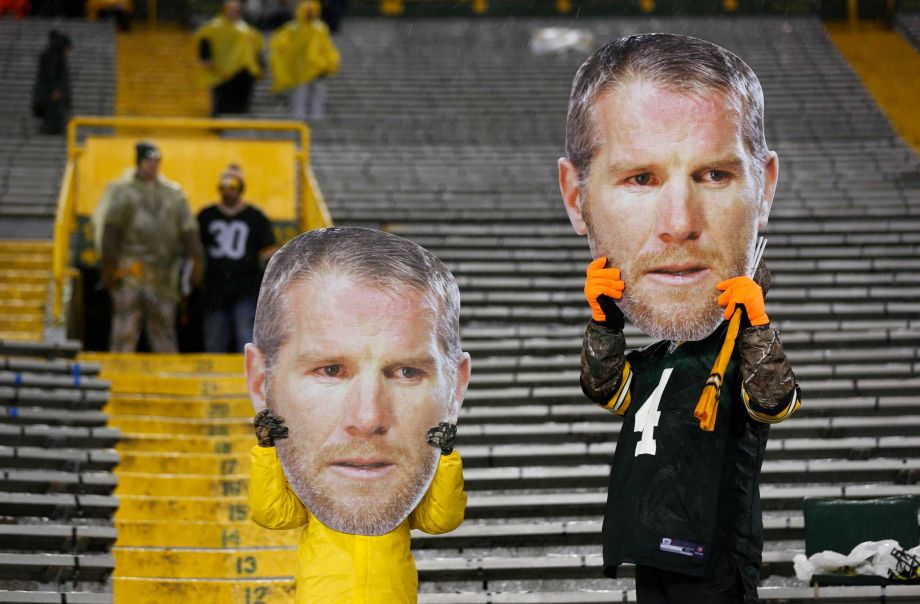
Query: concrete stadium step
{"points": [[59, 436], [53, 597], [69, 398], [33, 380], [158, 75], [889, 449], [58, 458], [856, 448], [496, 405], [43, 350], [534, 504], [58, 506], [60, 568], [598, 430], [56, 537], [279, 591], [52, 416], [503, 532], [51, 481], [784, 595], [54, 366], [902, 471]]}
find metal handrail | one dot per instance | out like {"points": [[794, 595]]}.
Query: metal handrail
{"points": [[63, 227]]}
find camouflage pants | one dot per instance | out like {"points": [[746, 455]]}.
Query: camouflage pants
{"points": [[130, 306]]}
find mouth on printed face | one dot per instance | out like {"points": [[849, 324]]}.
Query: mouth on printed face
{"points": [[362, 468], [678, 274]]}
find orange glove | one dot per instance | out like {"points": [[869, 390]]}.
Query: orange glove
{"points": [[602, 286], [743, 291]]}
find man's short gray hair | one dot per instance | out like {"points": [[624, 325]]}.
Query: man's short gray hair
{"points": [[677, 63], [377, 259]]}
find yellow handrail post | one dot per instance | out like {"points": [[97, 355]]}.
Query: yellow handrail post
{"points": [[63, 225]]}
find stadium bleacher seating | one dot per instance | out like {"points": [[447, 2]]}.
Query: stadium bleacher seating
{"points": [[909, 24], [56, 481], [30, 163], [447, 132]]}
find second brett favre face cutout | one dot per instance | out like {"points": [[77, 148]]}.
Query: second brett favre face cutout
{"points": [[674, 200], [359, 383]]}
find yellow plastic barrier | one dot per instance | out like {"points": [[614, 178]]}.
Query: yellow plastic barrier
{"points": [[269, 169], [278, 176]]}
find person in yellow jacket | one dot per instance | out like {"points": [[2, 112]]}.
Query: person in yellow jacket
{"points": [[357, 346], [340, 567], [230, 52], [301, 56]]}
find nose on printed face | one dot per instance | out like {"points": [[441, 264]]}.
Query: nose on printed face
{"points": [[369, 409], [679, 218]]}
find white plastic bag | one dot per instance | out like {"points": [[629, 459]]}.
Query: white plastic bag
{"points": [[867, 558]]}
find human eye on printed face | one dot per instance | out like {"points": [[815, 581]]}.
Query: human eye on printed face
{"points": [[720, 174], [411, 372], [642, 179]]}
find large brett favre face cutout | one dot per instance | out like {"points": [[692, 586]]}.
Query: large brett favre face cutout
{"points": [[359, 383], [674, 199]]}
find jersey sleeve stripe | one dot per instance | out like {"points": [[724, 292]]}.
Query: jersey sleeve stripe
{"points": [[783, 413], [619, 403]]}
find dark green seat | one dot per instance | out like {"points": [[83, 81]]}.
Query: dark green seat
{"points": [[839, 525]]}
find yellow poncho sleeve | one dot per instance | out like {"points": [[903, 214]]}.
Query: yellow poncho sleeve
{"points": [[442, 508], [234, 47], [272, 502]]}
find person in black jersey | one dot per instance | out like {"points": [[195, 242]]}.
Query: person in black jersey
{"points": [[238, 241], [668, 174]]}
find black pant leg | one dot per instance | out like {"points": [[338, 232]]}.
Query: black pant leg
{"points": [[650, 589], [656, 586]]}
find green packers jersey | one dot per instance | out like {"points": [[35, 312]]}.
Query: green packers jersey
{"points": [[678, 494]]}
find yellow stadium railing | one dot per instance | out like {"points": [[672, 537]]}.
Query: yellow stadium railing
{"points": [[63, 226], [309, 204]]}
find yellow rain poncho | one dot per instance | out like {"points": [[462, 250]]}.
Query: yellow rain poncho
{"points": [[335, 567], [235, 46], [302, 50]]}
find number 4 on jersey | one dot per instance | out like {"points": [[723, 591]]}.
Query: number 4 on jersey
{"points": [[647, 417]]}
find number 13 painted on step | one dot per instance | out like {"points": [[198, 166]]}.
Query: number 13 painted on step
{"points": [[647, 417]]}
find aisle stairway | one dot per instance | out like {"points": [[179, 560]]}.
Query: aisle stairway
{"points": [[182, 484], [157, 75], [889, 67], [25, 270]]}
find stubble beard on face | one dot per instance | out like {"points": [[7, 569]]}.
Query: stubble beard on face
{"points": [[367, 507], [371, 507], [676, 313]]}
